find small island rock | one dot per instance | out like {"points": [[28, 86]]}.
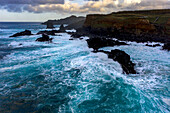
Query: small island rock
{"points": [[123, 59], [44, 38], [23, 33]]}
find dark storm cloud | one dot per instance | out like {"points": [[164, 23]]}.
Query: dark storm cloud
{"points": [[22, 5], [6, 2], [75, 6]]}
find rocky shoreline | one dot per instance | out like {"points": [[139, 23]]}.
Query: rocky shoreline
{"points": [[123, 59], [95, 43], [100, 38], [102, 29]]}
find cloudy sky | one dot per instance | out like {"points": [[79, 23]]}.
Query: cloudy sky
{"points": [[42, 10]]}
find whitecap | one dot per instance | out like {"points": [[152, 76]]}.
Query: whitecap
{"points": [[72, 30], [166, 100]]}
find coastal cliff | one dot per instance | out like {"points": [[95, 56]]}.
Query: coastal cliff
{"points": [[134, 22], [111, 24]]}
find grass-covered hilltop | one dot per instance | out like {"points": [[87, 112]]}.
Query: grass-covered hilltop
{"points": [[149, 21]]}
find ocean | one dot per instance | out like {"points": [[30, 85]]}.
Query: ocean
{"points": [[67, 77]]}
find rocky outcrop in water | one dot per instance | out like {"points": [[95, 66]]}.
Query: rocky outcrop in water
{"points": [[97, 43], [154, 45], [117, 55], [78, 34], [23, 33], [52, 32], [123, 59], [44, 38], [62, 29]]}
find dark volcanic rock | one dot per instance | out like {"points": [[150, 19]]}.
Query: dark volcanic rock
{"points": [[44, 38], [79, 33], [166, 46], [47, 32], [52, 32], [97, 43], [120, 35], [62, 28], [23, 33], [50, 25], [76, 35], [122, 58], [155, 45]]}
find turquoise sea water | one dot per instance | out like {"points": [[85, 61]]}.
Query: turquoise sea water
{"points": [[66, 77]]}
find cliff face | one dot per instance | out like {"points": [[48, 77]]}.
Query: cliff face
{"points": [[168, 27], [130, 22], [131, 25]]}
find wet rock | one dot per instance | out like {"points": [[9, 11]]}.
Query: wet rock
{"points": [[166, 46], [62, 28], [23, 33], [76, 35], [155, 45], [20, 44], [47, 32], [79, 33], [52, 32], [123, 59], [97, 43], [44, 38]]}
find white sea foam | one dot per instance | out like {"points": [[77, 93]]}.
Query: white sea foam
{"points": [[12, 68], [95, 68], [72, 30], [166, 100], [22, 44]]}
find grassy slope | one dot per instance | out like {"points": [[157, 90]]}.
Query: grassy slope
{"points": [[124, 17]]}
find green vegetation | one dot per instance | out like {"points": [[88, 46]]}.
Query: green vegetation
{"points": [[158, 17]]}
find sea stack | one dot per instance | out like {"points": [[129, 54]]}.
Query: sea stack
{"points": [[62, 28], [23, 33], [44, 38]]}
